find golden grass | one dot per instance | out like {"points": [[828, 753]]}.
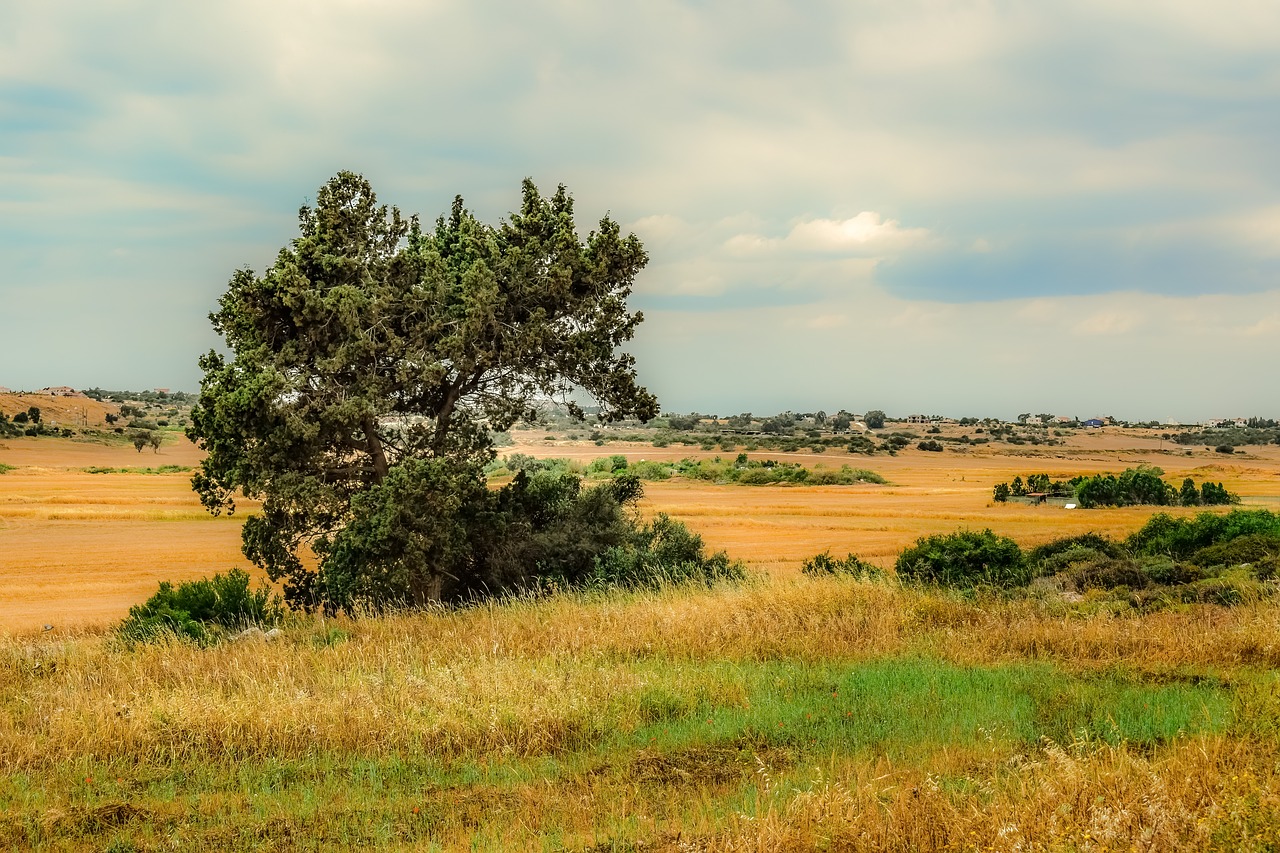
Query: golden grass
{"points": [[496, 720], [94, 544]]}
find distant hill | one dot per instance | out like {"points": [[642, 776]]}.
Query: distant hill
{"points": [[60, 411]]}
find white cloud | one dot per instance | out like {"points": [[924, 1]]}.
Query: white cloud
{"points": [[868, 233]]}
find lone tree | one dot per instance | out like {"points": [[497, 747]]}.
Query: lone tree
{"points": [[368, 366]]}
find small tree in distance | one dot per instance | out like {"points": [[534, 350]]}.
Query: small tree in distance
{"points": [[874, 419]]}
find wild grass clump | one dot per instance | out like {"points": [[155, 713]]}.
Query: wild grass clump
{"points": [[851, 565], [201, 610]]}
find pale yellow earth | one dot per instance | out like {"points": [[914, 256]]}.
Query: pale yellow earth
{"points": [[78, 549]]}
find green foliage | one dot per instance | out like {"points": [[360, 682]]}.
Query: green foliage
{"points": [[1249, 548], [742, 471], [659, 553], [824, 564], [874, 419], [1000, 493], [1189, 495], [1090, 542], [1180, 538], [1213, 494], [372, 363], [608, 465], [197, 609], [966, 558], [930, 445], [647, 469], [683, 423]]}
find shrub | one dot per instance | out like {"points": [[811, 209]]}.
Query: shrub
{"points": [[1167, 572], [1108, 574], [1250, 548], [1180, 538], [1091, 541], [1224, 448], [930, 445], [964, 559], [650, 470], [821, 565], [194, 608], [662, 552]]}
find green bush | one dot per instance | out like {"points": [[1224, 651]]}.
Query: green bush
{"points": [[1108, 574], [963, 559], [650, 470], [1090, 541], [1250, 548], [196, 609], [1180, 538], [822, 565], [659, 553]]}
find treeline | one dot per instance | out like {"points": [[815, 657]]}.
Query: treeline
{"points": [[1225, 439], [152, 398], [1141, 486], [1214, 558], [741, 471]]}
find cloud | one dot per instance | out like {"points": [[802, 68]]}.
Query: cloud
{"points": [[958, 182], [868, 233]]}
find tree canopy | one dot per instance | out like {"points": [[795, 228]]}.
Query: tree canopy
{"points": [[368, 365]]}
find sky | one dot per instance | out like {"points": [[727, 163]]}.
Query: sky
{"points": [[962, 208]]}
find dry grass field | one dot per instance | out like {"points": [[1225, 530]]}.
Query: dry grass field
{"points": [[77, 549], [786, 713]]}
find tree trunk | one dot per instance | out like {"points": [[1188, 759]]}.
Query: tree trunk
{"points": [[374, 445]]}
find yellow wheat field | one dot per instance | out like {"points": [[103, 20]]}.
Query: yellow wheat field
{"points": [[77, 549]]}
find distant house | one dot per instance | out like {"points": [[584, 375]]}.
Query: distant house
{"points": [[59, 391], [1034, 420], [919, 419], [4, 390], [1093, 423]]}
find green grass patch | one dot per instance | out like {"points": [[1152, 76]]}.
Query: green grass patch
{"points": [[161, 469], [5, 469], [909, 708]]}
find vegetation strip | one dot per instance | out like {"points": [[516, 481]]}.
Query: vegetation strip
{"points": [[741, 471]]}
